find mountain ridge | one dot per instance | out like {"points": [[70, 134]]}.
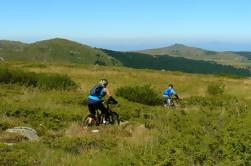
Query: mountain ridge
{"points": [[166, 62], [56, 50], [180, 50]]}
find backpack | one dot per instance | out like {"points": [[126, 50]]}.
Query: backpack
{"points": [[96, 90], [167, 92]]}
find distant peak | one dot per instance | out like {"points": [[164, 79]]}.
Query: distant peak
{"points": [[178, 45], [59, 41]]}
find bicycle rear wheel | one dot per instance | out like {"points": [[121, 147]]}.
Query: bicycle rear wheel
{"points": [[88, 121]]}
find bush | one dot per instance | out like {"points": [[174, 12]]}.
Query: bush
{"points": [[215, 89], [54, 81], [141, 94], [40, 80]]}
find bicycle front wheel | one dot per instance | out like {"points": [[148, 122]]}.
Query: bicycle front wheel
{"points": [[114, 118]]}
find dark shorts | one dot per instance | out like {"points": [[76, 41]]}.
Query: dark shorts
{"points": [[93, 106]]}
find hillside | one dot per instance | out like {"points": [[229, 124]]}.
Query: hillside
{"points": [[245, 54], [9, 45], [203, 129], [179, 50], [66, 51], [54, 51], [165, 62]]}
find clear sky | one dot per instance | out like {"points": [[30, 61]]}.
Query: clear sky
{"points": [[130, 24]]}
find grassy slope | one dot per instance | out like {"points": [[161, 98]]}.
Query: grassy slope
{"points": [[179, 50], [11, 44], [55, 51], [189, 84], [55, 114]]}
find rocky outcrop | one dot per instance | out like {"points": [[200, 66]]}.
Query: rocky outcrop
{"points": [[27, 132]]}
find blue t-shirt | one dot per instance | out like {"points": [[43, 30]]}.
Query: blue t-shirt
{"points": [[169, 92]]}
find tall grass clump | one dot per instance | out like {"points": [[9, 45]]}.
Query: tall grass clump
{"points": [[40, 80], [141, 94], [215, 89]]}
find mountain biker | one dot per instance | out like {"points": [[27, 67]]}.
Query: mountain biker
{"points": [[167, 95], [95, 101]]}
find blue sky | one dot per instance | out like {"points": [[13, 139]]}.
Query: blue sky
{"points": [[130, 24]]}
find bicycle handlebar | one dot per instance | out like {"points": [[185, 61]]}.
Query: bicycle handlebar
{"points": [[111, 100]]}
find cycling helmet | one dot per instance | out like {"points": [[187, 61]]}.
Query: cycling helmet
{"points": [[103, 82]]}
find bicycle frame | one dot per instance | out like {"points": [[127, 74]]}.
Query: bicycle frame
{"points": [[98, 118], [169, 102]]}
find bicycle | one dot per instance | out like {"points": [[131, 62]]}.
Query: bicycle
{"points": [[169, 102], [96, 120]]}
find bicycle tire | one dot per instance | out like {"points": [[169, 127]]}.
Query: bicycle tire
{"points": [[88, 121], [114, 118]]}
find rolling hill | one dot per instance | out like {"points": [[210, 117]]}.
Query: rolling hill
{"points": [[165, 62], [54, 51], [65, 51], [179, 50], [10, 45]]}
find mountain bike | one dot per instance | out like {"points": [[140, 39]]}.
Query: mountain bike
{"points": [[169, 102], [96, 120]]}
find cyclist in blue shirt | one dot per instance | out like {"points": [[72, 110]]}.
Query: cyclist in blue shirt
{"points": [[167, 95], [95, 101]]}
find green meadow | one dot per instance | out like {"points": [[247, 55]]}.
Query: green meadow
{"points": [[210, 125]]}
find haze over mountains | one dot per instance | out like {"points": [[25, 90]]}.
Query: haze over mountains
{"points": [[177, 57]]}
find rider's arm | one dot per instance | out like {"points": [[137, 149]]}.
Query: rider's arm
{"points": [[107, 92], [175, 94]]}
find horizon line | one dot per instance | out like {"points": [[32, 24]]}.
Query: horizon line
{"points": [[169, 44]]}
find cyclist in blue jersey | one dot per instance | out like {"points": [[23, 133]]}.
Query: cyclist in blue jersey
{"points": [[167, 95], [95, 101]]}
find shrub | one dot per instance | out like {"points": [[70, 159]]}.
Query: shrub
{"points": [[215, 89], [54, 81], [40, 80], [141, 94]]}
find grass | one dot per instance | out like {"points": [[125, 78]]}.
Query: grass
{"points": [[203, 130]]}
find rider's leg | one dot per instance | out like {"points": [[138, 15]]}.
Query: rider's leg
{"points": [[165, 101], [104, 111], [169, 102], [92, 109]]}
